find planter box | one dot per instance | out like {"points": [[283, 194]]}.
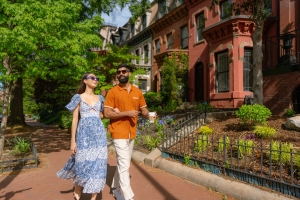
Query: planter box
{"points": [[22, 163]]}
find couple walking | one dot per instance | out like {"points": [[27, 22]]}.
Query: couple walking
{"points": [[87, 165]]}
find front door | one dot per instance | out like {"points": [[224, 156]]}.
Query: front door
{"points": [[296, 100], [199, 82]]}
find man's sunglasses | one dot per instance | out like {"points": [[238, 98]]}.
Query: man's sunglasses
{"points": [[122, 71], [93, 78]]}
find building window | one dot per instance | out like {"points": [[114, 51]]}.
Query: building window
{"points": [[184, 37], [137, 53], [169, 41], [143, 84], [132, 29], [225, 7], [146, 54], [157, 44], [144, 22], [162, 7], [222, 72], [200, 25], [248, 69]]}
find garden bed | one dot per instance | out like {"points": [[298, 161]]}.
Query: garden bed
{"points": [[11, 159]]}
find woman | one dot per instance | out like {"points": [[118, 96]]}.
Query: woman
{"points": [[88, 163]]}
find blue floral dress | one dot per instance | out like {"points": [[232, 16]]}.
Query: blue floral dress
{"points": [[88, 166]]}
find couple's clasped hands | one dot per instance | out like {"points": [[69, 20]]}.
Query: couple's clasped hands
{"points": [[129, 113]]}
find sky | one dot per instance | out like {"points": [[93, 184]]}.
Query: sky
{"points": [[118, 17]]}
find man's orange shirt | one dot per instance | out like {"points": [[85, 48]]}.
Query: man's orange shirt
{"points": [[118, 97]]}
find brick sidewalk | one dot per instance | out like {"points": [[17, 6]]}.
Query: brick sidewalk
{"points": [[43, 184]]}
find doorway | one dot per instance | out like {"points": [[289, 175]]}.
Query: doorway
{"points": [[199, 82], [296, 100]]}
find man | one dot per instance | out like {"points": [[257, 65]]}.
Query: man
{"points": [[129, 100]]}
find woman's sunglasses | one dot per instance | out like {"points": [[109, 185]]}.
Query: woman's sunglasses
{"points": [[122, 71], [93, 78]]}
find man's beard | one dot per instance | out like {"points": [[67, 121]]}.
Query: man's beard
{"points": [[124, 79]]}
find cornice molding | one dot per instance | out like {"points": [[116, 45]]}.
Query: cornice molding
{"points": [[170, 18], [234, 27], [193, 3], [138, 38]]}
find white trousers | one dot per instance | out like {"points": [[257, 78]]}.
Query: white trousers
{"points": [[121, 178]]}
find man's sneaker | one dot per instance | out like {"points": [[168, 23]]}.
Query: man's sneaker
{"points": [[117, 194]]}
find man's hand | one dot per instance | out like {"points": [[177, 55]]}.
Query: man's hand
{"points": [[132, 113]]}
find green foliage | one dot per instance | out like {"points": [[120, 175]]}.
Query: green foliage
{"points": [[105, 122], [21, 146], [187, 160], [205, 106], [245, 147], [153, 100], [201, 144], [276, 154], [66, 119], [175, 80], [289, 112], [205, 130], [151, 142], [253, 114], [297, 160], [264, 131], [221, 144]]}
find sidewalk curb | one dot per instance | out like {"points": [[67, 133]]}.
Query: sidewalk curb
{"points": [[237, 190]]}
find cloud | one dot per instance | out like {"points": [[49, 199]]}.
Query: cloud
{"points": [[117, 17]]}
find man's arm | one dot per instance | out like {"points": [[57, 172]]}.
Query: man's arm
{"points": [[144, 111], [111, 114]]}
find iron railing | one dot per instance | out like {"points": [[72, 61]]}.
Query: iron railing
{"points": [[23, 163], [283, 50], [254, 161]]}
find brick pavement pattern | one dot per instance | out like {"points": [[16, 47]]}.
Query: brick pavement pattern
{"points": [[53, 146]]}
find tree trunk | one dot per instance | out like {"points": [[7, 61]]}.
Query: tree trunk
{"points": [[257, 63], [16, 103], [6, 98]]}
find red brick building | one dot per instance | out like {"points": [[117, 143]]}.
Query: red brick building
{"points": [[220, 49], [169, 34]]}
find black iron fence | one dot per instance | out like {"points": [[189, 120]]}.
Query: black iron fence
{"points": [[272, 164], [22, 163], [283, 50]]}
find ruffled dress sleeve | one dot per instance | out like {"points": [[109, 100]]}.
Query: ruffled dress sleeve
{"points": [[74, 102], [102, 103]]}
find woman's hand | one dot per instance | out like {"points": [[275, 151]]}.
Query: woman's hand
{"points": [[73, 147]]}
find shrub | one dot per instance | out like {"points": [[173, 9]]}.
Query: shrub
{"points": [[21, 146], [221, 144], [205, 130], [151, 142], [264, 131], [205, 106], [253, 114], [65, 119], [201, 144], [289, 112], [245, 147], [297, 160], [105, 122], [276, 153], [153, 100]]}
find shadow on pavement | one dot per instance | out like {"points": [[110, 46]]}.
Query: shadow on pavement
{"points": [[8, 179], [10, 195], [161, 188]]}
